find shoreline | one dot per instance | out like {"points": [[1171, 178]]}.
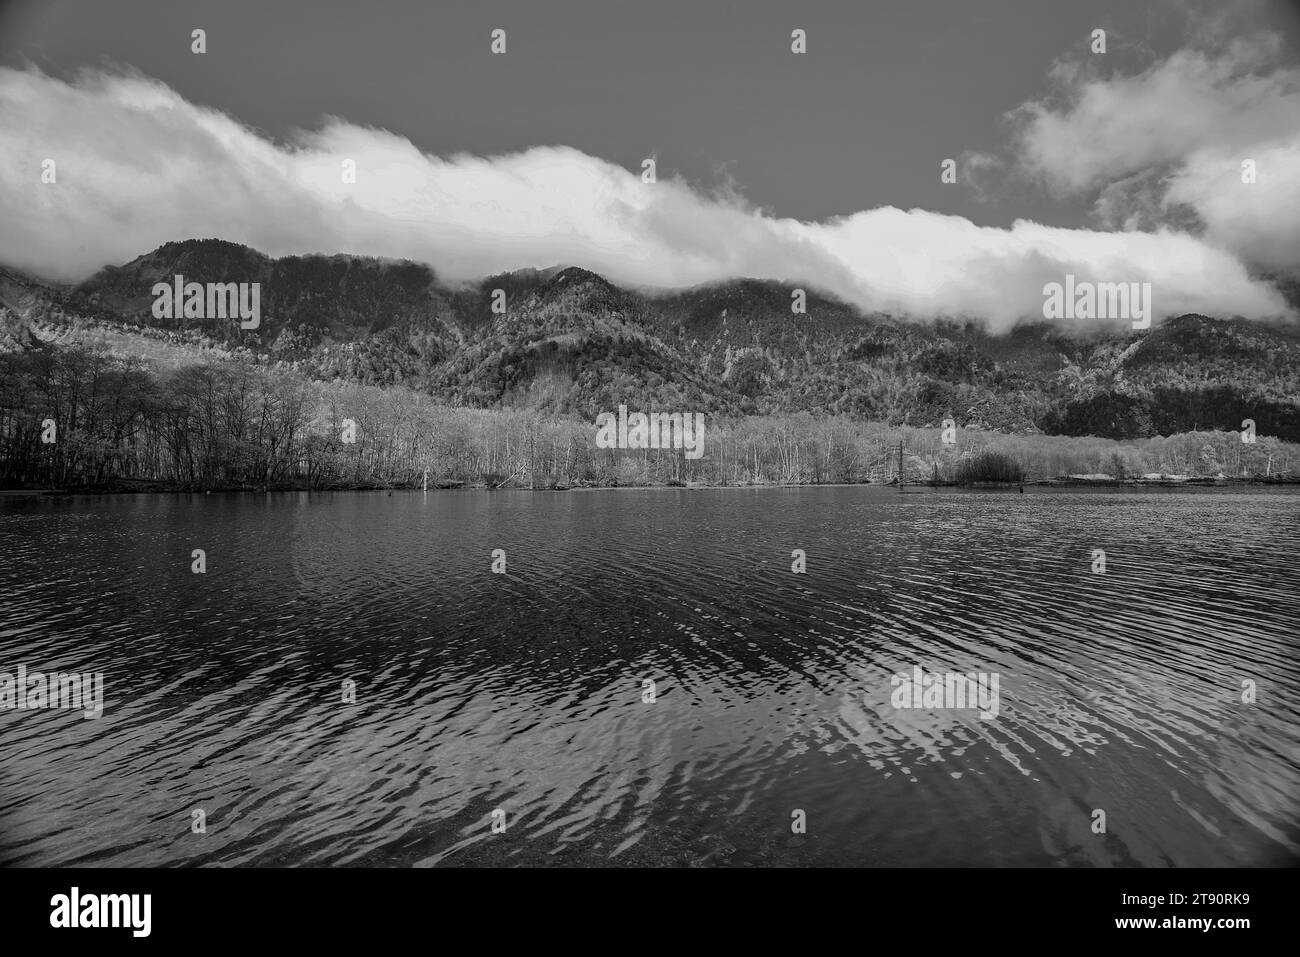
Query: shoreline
{"points": [[143, 488]]}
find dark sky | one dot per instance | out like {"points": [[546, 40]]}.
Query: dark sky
{"points": [[887, 90]]}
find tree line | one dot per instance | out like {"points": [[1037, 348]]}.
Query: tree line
{"points": [[82, 418]]}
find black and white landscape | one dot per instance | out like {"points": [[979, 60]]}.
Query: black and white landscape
{"points": [[691, 434]]}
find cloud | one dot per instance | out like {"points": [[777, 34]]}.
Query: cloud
{"points": [[138, 166], [1167, 145], [983, 174]]}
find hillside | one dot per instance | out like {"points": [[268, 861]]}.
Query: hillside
{"points": [[570, 342]]}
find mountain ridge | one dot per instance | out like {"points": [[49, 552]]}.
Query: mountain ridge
{"points": [[570, 341]]}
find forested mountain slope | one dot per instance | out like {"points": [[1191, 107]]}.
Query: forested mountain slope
{"points": [[569, 342]]}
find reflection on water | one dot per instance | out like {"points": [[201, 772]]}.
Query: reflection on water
{"points": [[524, 691]]}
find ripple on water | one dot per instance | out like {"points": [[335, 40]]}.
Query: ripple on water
{"points": [[524, 692]]}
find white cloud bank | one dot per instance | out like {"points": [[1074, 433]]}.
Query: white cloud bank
{"points": [[1176, 135], [138, 166]]}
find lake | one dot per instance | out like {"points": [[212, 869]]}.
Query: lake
{"points": [[509, 718]]}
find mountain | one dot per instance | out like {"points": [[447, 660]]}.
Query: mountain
{"points": [[569, 341]]}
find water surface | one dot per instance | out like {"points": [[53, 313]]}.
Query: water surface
{"points": [[523, 691]]}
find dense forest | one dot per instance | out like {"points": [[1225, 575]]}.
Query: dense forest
{"points": [[435, 378], [79, 417]]}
